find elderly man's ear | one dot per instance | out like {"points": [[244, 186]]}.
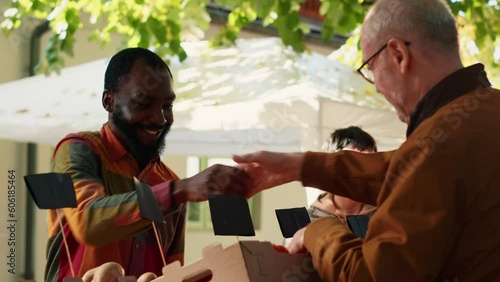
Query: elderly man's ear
{"points": [[398, 51]]}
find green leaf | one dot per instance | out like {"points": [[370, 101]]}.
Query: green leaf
{"points": [[173, 28], [158, 29], [478, 10], [73, 20], [284, 7], [144, 36], [327, 33], [182, 55], [262, 8], [455, 7], [164, 23], [38, 5], [304, 28], [267, 21], [67, 45], [324, 8], [289, 31]]}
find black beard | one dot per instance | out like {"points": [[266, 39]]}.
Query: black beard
{"points": [[132, 143]]}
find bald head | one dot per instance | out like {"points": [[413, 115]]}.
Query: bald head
{"points": [[428, 21], [402, 42]]}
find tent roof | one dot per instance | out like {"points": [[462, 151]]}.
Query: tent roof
{"points": [[224, 96], [258, 68]]}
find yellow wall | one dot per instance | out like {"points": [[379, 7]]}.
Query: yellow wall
{"points": [[15, 155], [12, 53]]}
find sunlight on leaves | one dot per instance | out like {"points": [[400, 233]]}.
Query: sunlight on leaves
{"points": [[163, 24]]}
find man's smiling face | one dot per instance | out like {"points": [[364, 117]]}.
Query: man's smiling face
{"points": [[141, 113]]}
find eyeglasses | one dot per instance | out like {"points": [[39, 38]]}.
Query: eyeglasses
{"points": [[367, 73]]}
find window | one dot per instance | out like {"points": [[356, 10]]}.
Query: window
{"points": [[198, 214]]}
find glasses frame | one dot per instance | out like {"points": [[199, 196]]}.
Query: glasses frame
{"points": [[407, 43]]}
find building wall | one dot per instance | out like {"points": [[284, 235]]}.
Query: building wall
{"points": [[12, 239], [13, 157], [12, 53]]}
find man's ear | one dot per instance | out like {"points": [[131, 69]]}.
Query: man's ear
{"points": [[400, 54], [108, 100]]}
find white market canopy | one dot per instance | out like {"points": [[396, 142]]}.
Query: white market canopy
{"points": [[256, 95]]}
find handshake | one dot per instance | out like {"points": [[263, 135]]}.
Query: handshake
{"points": [[252, 174]]}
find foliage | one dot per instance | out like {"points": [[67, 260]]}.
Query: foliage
{"points": [[477, 40], [163, 24]]}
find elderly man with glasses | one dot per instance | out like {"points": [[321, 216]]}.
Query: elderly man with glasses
{"points": [[438, 194]]}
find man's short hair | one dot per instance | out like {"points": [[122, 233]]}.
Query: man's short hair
{"points": [[432, 20], [353, 137], [122, 62]]}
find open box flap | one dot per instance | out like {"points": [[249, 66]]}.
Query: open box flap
{"points": [[265, 264]]}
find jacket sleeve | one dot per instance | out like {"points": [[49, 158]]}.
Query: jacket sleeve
{"points": [[98, 218], [349, 174], [410, 236]]}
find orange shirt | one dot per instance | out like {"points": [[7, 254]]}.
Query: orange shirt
{"points": [[106, 225]]}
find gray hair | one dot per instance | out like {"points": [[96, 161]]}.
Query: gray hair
{"points": [[431, 20]]}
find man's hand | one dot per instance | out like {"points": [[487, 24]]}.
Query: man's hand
{"points": [[217, 179], [297, 244], [269, 169], [147, 277], [109, 272]]}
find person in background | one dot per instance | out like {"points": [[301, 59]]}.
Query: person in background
{"points": [[437, 195], [106, 226], [351, 138]]}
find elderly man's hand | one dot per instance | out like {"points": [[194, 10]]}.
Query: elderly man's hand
{"points": [[269, 169], [297, 244], [217, 179]]}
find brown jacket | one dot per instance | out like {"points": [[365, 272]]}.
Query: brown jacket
{"points": [[438, 199]]}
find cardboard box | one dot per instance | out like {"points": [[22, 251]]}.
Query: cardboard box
{"points": [[245, 261]]}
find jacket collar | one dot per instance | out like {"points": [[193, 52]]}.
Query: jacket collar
{"points": [[453, 86]]}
